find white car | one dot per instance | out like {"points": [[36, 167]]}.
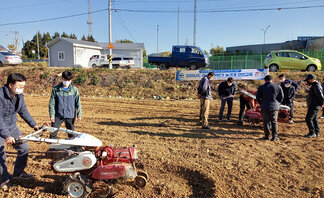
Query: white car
{"points": [[7, 58]]}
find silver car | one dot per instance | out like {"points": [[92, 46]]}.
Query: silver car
{"points": [[7, 58]]}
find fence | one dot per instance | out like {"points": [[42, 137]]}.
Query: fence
{"points": [[244, 61], [250, 61]]}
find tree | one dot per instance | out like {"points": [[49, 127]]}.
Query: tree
{"points": [[73, 36], [91, 39], [124, 41], [144, 52], [64, 34], [83, 38], [216, 51], [12, 48], [56, 35]]}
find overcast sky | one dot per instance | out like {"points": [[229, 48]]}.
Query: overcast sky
{"points": [[219, 22]]}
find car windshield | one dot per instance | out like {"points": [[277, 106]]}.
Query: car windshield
{"points": [[117, 58], [128, 58], [7, 54]]}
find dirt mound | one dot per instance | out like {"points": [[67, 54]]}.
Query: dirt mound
{"points": [[183, 160]]}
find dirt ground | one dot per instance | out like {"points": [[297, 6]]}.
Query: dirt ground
{"points": [[183, 160]]}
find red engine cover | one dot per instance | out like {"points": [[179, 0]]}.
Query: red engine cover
{"points": [[253, 114], [124, 155], [109, 172], [283, 115]]}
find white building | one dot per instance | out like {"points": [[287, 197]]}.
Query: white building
{"points": [[66, 52]]}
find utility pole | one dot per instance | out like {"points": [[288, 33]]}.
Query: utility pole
{"points": [[89, 22], [195, 21], [157, 39], [37, 42], [16, 39], [110, 35], [178, 26]]}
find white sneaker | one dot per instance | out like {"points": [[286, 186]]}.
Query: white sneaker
{"points": [[322, 117], [291, 122]]}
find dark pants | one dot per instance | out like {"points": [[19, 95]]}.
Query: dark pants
{"points": [[312, 121], [69, 124], [21, 160], [229, 102], [243, 103], [291, 105], [270, 123]]}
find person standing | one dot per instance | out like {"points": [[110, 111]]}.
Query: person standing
{"points": [[283, 78], [64, 104], [226, 91], [322, 117], [12, 102], [315, 101], [269, 96], [204, 94], [289, 96]]}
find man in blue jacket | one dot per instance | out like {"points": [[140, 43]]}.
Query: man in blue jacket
{"points": [[226, 91], [12, 102], [65, 105], [315, 100], [204, 94], [269, 96]]}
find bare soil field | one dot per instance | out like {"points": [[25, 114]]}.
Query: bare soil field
{"points": [[182, 159]]}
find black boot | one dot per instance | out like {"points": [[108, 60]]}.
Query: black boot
{"points": [[275, 137], [317, 133]]}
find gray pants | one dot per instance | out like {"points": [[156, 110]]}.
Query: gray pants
{"points": [[270, 123], [21, 160]]}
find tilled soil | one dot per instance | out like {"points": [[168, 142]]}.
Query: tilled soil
{"points": [[182, 159]]}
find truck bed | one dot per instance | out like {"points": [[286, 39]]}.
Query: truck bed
{"points": [[157, 60]]}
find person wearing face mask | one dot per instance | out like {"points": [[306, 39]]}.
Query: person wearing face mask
{"points": [[269, 96], [64, 105], [226, 91], [289, 96], [12, 102], [315, 101], [282, 78]]}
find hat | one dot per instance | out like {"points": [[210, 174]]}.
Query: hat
{"points": [[309, 76], [287, 82]]}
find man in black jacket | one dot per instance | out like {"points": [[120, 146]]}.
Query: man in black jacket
{"points": [[315, 101], [289, 96], [269, 96], [12, 102], [204, 94], [226, 91], [283, 78]]}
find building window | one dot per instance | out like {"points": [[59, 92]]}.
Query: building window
{"points": [[61, 56]]}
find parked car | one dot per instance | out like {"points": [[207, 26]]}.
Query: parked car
{"points": [[290, 59], [190, 57], [7, 58], [117, 62]]}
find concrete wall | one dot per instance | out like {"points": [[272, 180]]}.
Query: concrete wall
{"points": [[67, 48], [261, 48]]}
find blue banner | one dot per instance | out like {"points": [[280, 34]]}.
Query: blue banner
{"points": [[238, 74]]}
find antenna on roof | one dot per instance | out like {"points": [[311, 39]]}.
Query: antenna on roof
{"points": [[89, 21]]}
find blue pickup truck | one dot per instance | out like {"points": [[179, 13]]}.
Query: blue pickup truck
{"points": [[190, 57]]}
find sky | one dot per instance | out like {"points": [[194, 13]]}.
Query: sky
{"points": [[219, 22]]}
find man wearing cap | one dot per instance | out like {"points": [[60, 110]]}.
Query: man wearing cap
{"points": [[315, 101], [269, 96], [204, 94], [226, 91], [289, 96], [283, 78]]}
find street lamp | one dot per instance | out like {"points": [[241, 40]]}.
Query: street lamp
{"points": [[264, 33]]}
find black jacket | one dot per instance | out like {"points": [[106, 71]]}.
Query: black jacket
{"points": [[269, 96], [289, 94], [315, 96], [225, 90], [9, 107], [295, 85]]}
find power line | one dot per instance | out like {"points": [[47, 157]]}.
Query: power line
{"points": [[124, 25], [33, 5], [165, 11]]}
